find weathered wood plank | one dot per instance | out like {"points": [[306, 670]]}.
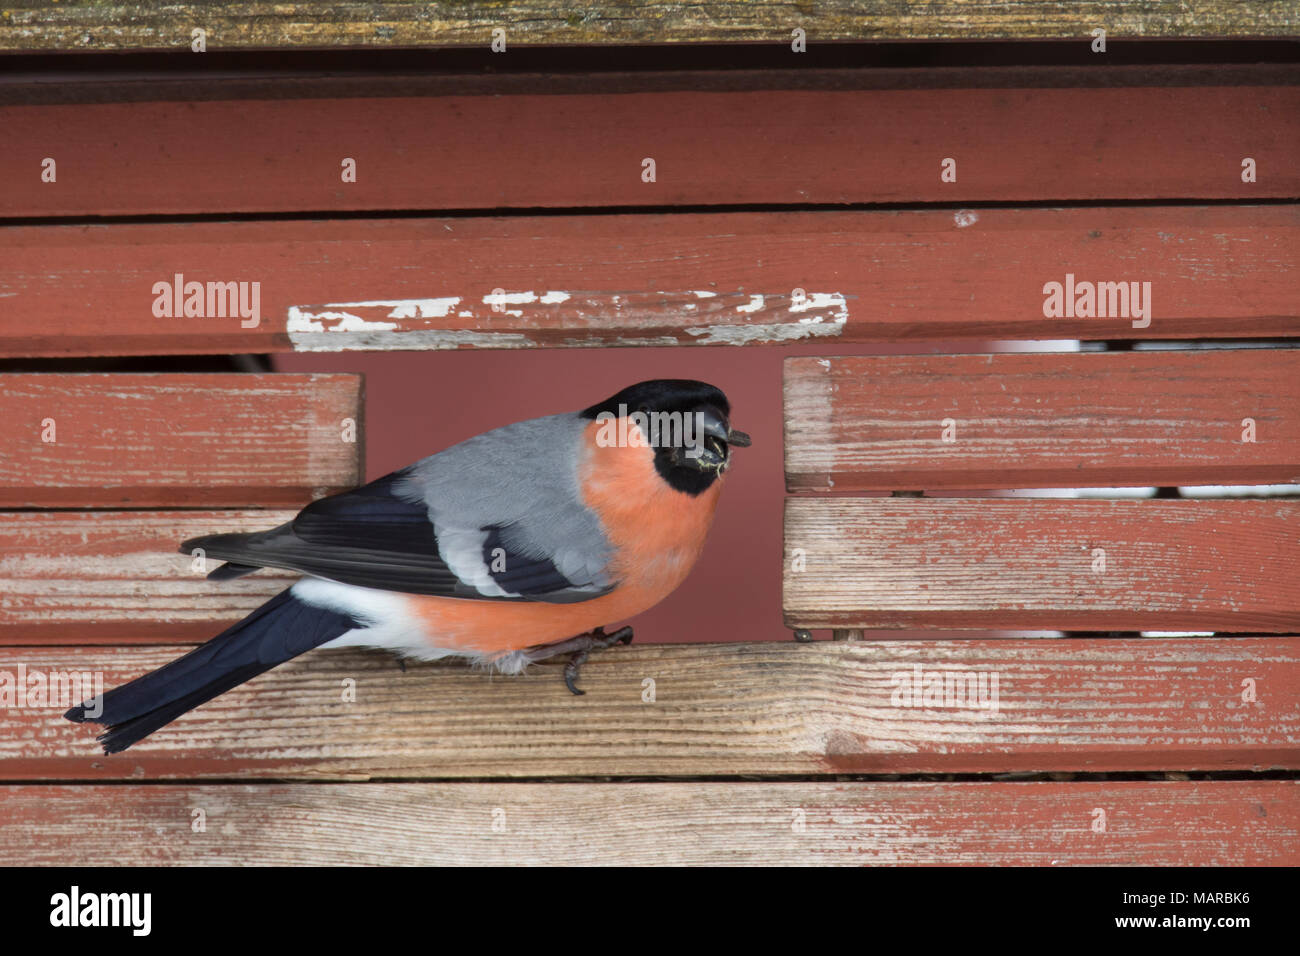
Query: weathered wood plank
{"points": [[158, 440], [1220, 823], [624, 280], [52, 26], [1067, 564], [103, 576], [709, 148], [912, 422], [821, 708]]}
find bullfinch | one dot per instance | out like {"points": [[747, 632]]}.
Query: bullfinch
{"points": [[516, 545]]}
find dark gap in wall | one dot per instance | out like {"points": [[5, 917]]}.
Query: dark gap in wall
{"points": [[193, 78], [515, 212], [775, 55], [142, 363]]}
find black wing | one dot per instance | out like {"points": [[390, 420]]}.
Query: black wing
{"points": [[371, 537]]}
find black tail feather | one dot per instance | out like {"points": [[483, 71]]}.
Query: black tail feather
{"points": [[230, 570], [279, 630], [119, 736]]}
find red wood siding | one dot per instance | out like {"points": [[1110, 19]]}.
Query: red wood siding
{"points": [[1042, 420]]}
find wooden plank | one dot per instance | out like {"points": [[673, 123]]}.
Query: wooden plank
{"points": [[1038, 421], [771, 147], [1215, 271], [49, 25], [157, 440], [694, 710], [103, 577], [1072, 565], [1203, 823]]}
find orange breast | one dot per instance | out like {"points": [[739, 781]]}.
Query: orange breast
{"points": [[657, 534]]}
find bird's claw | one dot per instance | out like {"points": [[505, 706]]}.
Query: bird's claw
{"points": [[580, 647], [586, 643], [571, 672]]}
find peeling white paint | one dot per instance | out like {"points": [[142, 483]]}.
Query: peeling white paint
{"points": [[510, 298], [965, 217], [822, 300], [354, 323], [300, 321], [401, 308], [423, 308], [334, 327], [416, 339], [773, 332], [651, 340]]}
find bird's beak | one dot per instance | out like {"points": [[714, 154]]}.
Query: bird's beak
{"points": [[713, 449]]}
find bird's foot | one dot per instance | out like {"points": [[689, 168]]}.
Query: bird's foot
{"points": [[580, 647]]}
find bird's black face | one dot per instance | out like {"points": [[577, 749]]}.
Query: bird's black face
{"points": [[686, 422]]}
